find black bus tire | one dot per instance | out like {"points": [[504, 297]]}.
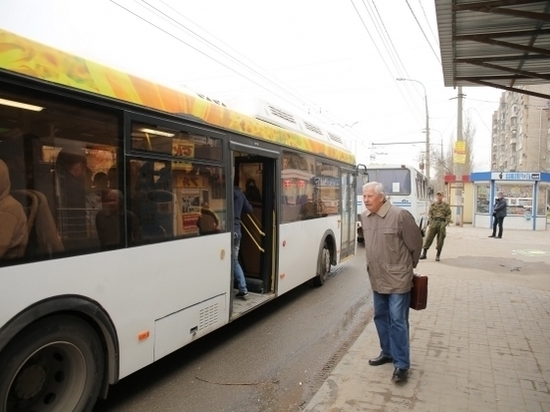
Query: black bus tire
{"points": [[55, 364], [323, 266]]}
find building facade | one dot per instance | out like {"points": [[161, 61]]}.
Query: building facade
{"points": [[521, 134]]}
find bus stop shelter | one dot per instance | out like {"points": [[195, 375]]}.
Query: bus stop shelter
{"points": [[527, 195]]}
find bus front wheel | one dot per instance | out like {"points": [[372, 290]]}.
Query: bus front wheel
{"points": [[55, 364], [323, 266]]}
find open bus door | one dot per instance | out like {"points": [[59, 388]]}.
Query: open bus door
{"points": [[254, 172]]}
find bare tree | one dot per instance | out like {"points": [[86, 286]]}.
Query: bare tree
{"points": [[468, 132]]}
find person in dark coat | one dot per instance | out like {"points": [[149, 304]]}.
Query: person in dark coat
{"points": [[499, 213], [252, 192]]}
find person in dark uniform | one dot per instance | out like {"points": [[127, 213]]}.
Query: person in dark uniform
{"points": [[439, 216]]}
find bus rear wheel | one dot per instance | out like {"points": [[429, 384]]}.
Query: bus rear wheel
{"points": [[323, 266], [54, 365]]}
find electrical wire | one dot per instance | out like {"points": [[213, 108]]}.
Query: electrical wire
{"points": [[312, 107], [422, 30]]}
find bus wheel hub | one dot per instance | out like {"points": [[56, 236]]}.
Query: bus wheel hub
{"points": [[29, 382]]}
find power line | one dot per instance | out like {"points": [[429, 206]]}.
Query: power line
{"points": [[427, 21], [422, 30], [378, 50], [180, 26]]}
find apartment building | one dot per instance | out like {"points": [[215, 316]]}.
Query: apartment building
{"points": [[521, 134]]}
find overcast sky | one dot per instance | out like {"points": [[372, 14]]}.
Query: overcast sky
{"points": [[336, 59]]}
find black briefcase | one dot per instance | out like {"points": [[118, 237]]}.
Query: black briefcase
{"points": [[419, 292]]}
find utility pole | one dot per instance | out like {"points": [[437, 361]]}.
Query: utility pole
{"points": [[427, 163], [427, 137], [457, 163]]}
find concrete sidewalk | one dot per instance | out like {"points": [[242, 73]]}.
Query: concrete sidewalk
{"points": [[483, 343]]}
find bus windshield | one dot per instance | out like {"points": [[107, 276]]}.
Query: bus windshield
{"points": [[396, 181]]}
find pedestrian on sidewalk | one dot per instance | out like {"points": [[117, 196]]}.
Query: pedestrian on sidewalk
{"points": [[393, 242], [499, 213], [439, 216]]}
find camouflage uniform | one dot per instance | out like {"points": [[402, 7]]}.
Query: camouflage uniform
{"points": [[440, 217]]}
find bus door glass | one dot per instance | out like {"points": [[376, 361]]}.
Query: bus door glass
{"points": [[255, 176], [349, 211]]}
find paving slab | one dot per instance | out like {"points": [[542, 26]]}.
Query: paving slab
{"points": [[482, 344]]}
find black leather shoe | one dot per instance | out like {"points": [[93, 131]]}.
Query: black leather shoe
{"points": [[380, 360], [399, 375], [492, 236]]}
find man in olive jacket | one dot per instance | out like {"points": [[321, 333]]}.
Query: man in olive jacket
{"points": [[440, 216], [393, 243]]}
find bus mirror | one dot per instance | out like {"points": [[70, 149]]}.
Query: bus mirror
{"points": [[361, 169]]}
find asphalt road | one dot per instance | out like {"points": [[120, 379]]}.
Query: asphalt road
{"points": [[271, 360]]}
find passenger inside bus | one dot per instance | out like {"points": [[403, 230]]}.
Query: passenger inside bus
{"points": [[112, 177], [164, 181], [70, 177], [110, 223], [208, 222], [252, 192], [14, 234], [101, 181]]}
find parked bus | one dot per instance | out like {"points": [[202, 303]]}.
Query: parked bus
{"points": [[405, 186], [123, 251]]}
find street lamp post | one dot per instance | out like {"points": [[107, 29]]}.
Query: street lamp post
{"points": [[427, 124]]}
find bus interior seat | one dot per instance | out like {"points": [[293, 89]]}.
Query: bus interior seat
{"points": [[48, 238], [29, 201], [44, 237]]}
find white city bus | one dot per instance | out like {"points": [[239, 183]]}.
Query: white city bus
{"points": [[405, 186], [127, 187]]}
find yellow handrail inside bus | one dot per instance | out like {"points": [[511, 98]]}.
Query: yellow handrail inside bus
{"points": [[252, 237], [256, 224]]}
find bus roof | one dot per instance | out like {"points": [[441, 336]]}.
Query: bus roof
{"points": [[29, 58]]}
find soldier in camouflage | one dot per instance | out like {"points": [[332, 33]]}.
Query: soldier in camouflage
{"points": [[440, 217]]}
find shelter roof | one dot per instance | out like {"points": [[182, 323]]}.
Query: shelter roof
{"points": [[495, 43]]}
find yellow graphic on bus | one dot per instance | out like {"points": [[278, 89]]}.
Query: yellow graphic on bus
{"points": [[30, 58]]}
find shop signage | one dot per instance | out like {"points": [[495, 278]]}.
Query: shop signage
{"points": [[515, 176]]}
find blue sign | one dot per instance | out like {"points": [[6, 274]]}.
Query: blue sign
{"points": [[525, 176]]}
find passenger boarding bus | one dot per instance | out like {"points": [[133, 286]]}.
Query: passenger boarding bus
{"points": [[121, 250], [405, 186]]}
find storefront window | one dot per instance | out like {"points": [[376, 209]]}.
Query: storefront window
{"points": [[482, 198], [543, 202], [519, 198]]}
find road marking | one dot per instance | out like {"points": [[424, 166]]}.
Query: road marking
{"points": [[531, 252]]}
